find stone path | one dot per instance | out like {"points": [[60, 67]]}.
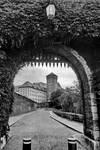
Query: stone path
{"points": [[45, 132], [14, 119]]}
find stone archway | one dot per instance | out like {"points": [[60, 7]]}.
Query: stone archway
{"points": [[85, 76], [21, 30], [9, 66]]}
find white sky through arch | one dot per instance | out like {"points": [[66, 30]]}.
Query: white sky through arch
{"points": [[66, 76]]}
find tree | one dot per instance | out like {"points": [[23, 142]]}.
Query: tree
{"points": [[66, 102], [24, 23], [78, 98], [55, 98], [71, 100], [20, 19]]}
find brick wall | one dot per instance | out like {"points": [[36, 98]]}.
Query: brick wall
{"points": [[22, 104]]}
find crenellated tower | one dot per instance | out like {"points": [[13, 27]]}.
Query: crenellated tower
{"points": [[51, 84]]}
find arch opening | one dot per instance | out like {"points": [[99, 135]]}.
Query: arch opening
{"points": [[84, 75], [64, 80]]}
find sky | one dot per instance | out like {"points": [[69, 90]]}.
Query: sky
{"points": [[66, 76]]}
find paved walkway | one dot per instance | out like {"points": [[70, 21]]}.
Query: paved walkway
{"points": [[14, 119], [71, 124], [45, 132]]}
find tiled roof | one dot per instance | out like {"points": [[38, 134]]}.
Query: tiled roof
{"points": [[27, 84], [39, 86], [51, 74]]}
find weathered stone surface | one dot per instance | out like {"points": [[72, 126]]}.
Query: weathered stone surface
{"points": [[84, 62], [85, 143], [22, 104]]}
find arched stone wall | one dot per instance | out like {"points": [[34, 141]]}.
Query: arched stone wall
{"points": [[84, 73]]}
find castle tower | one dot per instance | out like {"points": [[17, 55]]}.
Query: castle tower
{"points": [[51, 84]]}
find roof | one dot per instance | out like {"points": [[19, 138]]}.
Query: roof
{"points": [[39, 85], [27, 84], [51, 74]]}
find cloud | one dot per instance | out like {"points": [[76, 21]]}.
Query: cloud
{"points": [[66, 76]]}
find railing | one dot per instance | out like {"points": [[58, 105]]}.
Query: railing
{"points": [[70, 116]]}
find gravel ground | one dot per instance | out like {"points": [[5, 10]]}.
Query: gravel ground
{"points": [[46, 133]]}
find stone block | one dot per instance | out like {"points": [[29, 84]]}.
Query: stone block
{"points": [[85, 143], [2, 142], [97, 135], [95, 125]]}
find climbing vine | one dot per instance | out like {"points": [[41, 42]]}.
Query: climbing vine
{"points": [[25, 20], [8, 70], [22, 19]]}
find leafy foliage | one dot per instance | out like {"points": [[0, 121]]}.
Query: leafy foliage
{"points": [[25, 22], [8, 69], [55, 98], [71, 100], [66, 102], [22, 19]]}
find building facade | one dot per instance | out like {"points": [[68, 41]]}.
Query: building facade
{"points": [[39, 92], [35, 91]]}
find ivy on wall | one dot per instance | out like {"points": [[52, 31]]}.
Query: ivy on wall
{"points": [[8, 69], [24, 20], [21, 19]]}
